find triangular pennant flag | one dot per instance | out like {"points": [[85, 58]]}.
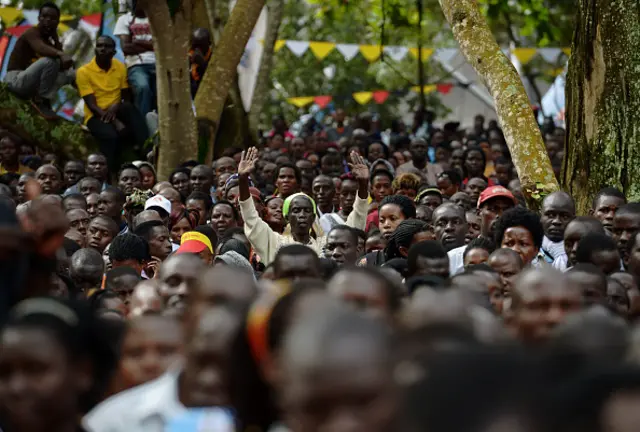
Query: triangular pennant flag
{"points": [[363, 97], [550, 54], [322, 101], [278, 45], [444, 88], [64, 18], [321, 49], [31, 16], [298, 47], [555, 72], [348, 51], [9, 15], [380, 96], [427, 89], [524, 54], [426, 53], [567, 51], [397, 53], [301, 101], [371, 52]]}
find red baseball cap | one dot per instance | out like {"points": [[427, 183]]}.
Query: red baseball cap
{"points": [[495, 192]]}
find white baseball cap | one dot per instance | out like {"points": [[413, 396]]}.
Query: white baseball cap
{"points": [[158, 201]]}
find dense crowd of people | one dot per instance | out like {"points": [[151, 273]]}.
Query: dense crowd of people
{"points": [[347, 278]]}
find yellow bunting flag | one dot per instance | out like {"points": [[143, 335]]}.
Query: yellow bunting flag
{"points": [[301, 101], [363, 97], [525, 54], [9, 15], [567, 51], [67, 18], [427, 89], [278, 45], [371, 52], [321, 49], [426, 53]]}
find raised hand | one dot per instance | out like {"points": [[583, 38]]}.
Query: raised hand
{"points": [[359, 167], [248, 161]]}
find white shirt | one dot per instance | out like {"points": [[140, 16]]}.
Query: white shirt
{"points": [[456, 260], [139, 31], [146, 408], [557, 252]]}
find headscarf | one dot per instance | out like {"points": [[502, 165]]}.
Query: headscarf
{"points": [[139, 164], [386, 163], [289, 200], [428, 191], [235, 260]]}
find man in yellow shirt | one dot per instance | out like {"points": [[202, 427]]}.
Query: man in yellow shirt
{"points": [[113, 121]]}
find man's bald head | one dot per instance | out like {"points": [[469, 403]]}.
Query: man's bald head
{"points": [[145, 299], [145, 216], [87, 268], [507, 254], [559, 198], [542, 298]]}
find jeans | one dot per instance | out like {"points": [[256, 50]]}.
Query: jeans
{"points": [[111, 142], [142, 80], [43, 78]]}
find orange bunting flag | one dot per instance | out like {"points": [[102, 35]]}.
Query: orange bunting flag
{"points": [[322, 101], [444, 88], [380, 96]]}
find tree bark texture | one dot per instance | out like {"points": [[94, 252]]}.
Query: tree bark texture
{"points": [[275, 9], [603, 101], [222, 70], [171, 41], [68, 140], [513, 107]]}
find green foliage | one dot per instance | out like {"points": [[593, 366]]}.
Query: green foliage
{"points": [[66, 139], [538, 23], [358, 22]]}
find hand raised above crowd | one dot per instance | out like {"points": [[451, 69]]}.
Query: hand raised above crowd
{"points": [[248, 162]]}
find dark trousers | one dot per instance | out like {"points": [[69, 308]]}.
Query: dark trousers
{"points": [[130, 140]]}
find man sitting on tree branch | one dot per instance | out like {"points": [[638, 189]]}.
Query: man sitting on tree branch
{"points": [[38, 67]]}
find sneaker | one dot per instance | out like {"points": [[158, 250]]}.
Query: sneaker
{"points": [[43, 107]]}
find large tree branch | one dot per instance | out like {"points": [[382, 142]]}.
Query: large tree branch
{"points": [[222, 70], [516, 118]]}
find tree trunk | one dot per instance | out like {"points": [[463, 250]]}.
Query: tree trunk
{"points": [[513, 108], [275, 9], [171, 41], [603, 101], [223, 65]]}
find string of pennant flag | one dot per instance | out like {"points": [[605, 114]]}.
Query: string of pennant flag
{"points": [[372, 53], [364, 97]]}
